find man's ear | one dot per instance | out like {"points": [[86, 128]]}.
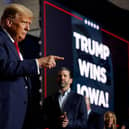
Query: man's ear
{"points": [[8, 22], [71, 81]]}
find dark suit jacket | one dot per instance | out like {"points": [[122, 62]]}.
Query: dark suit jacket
{"points": [[95, 121], [13, 91], [74, 106]]}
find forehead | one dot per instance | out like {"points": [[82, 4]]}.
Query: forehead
{"points": [[109, 115], [66, 72], [23, 17]]}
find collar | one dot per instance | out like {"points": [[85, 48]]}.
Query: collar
{"points": [[88, 112], [65, 93], [8, 35]]}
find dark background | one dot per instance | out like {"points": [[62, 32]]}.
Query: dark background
{"points": [[110, 16]]}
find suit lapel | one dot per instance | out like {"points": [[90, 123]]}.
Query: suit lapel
{"points": [[9, 44], [68, 102], [57, 102], [56, 105], [13, 49]]}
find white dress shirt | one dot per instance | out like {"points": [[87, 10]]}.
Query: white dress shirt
{"points": [[62, 98]]}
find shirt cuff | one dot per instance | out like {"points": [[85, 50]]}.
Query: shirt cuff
{"points": [[37, 66]]}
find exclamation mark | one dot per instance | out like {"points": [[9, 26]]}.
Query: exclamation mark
{"points": [[107, 100]]}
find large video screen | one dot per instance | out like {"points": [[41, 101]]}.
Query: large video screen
{"points": [[97, 57]]}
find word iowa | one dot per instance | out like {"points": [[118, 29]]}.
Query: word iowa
{"points": [[97, 97]]}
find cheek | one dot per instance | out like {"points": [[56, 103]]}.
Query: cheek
{"points": [[20, 32], [17, 30]]}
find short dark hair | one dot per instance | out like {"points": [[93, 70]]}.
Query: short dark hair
{"points": [[67, 69]]}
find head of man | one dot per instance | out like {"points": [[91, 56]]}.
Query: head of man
{"points": [[16, 19], [64, 78]]}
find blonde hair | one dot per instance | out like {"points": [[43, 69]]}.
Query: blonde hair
{"points": [[13, 9], [106, 116]]}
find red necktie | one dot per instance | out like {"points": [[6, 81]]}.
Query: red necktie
{"points": [[17, 48]]}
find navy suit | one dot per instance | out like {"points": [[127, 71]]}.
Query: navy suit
{"points": [[95, 121], [14, 87], [74, 106]]}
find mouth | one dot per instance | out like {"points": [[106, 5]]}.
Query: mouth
{"points": [[25, 33]]}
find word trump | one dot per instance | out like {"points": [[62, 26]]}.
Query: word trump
{"points": [[90, 46]]}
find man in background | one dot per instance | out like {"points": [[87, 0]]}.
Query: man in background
{"points": [[65, 109]]}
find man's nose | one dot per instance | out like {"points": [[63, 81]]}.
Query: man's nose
{"points": [[27, 27]]}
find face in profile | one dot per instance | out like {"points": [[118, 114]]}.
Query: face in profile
{"points": [[19, 27]]}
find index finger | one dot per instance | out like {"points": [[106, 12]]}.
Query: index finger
{"points": [[58, 58]]}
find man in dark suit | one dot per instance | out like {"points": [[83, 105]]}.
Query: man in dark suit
{"points": [[95, 120], [65, 109], [14, 71]]}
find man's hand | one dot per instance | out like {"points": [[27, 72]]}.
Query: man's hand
{"points": [[49, 61], [64, 120]]}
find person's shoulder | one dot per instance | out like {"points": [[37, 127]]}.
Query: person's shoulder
{"points": [[3, 35], [1, 32], [77, 94]]}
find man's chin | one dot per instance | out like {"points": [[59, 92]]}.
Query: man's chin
{"points": [[22, 38], [62, 86]]}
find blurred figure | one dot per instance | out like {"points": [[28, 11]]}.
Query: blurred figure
{"points": [[65, 109], [125, 124], [95, 120], [15, 71], [110, 120]]}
